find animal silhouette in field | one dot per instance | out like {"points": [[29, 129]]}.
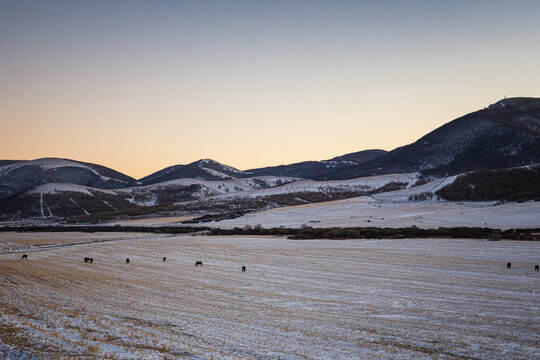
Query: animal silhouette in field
{"points": [[88, 260], [24, 257], [536, 268], [509, 265], [164, 258], [127, 261], [198, 263], [243, 269]]}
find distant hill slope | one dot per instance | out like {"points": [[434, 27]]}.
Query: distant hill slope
{"points": [[320, 170], [362, 156], [19, 176], [205, 169], [313, 170], [505, 134], [58, 200]]}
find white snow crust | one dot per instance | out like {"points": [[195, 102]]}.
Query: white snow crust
{"points": [[52, 163], [51, 188]]}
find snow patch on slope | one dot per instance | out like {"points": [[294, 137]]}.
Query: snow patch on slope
{"points": [[365, 183], [54, 163], [216, 187], [215, 173], [52, 188], [338, 163], [222, 166], [404, 194]]}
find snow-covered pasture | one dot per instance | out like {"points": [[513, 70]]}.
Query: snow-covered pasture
{"points": [[394, 209], [320, 299]]}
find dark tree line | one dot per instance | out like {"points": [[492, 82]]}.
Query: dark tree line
{"points": [[518, 184], [305, 232]]}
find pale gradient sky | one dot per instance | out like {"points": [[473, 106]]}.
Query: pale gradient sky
{"points": [[141, 85]]}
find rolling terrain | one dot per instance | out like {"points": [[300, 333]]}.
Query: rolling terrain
{"points": [[59, 200], [503, 135], [320, 170]]}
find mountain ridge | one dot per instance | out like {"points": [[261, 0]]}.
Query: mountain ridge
{"points": [[504, 134]]}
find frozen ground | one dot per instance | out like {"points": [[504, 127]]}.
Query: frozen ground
{"points": [[320, 299], [389, 209], [394, 209], [368, 211]]}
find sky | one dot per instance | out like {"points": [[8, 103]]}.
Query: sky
{"points": [[141, 85]]}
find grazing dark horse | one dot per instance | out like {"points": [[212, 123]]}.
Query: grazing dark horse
{"points": [[536, 268], [198, 263], [164, 258], [509, 265], [87, 259], [24, 257], [243, 269], [127, 261]]}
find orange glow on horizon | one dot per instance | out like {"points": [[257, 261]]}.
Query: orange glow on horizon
{"points": [[141, 86]]}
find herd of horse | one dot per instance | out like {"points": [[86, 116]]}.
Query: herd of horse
{"points": [[199, 263], [91, 260]]}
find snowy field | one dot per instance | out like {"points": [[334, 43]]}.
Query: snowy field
{"points": [[319, 299], [375, 211], [389, 209], [372, 211]]}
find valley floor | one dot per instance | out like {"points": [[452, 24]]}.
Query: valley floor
{"points": [[317, 299], [380, 212], [375, 211]]}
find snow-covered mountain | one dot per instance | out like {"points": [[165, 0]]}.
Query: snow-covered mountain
{"points": [[207, 169], [503, 135], [19, 176]]}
